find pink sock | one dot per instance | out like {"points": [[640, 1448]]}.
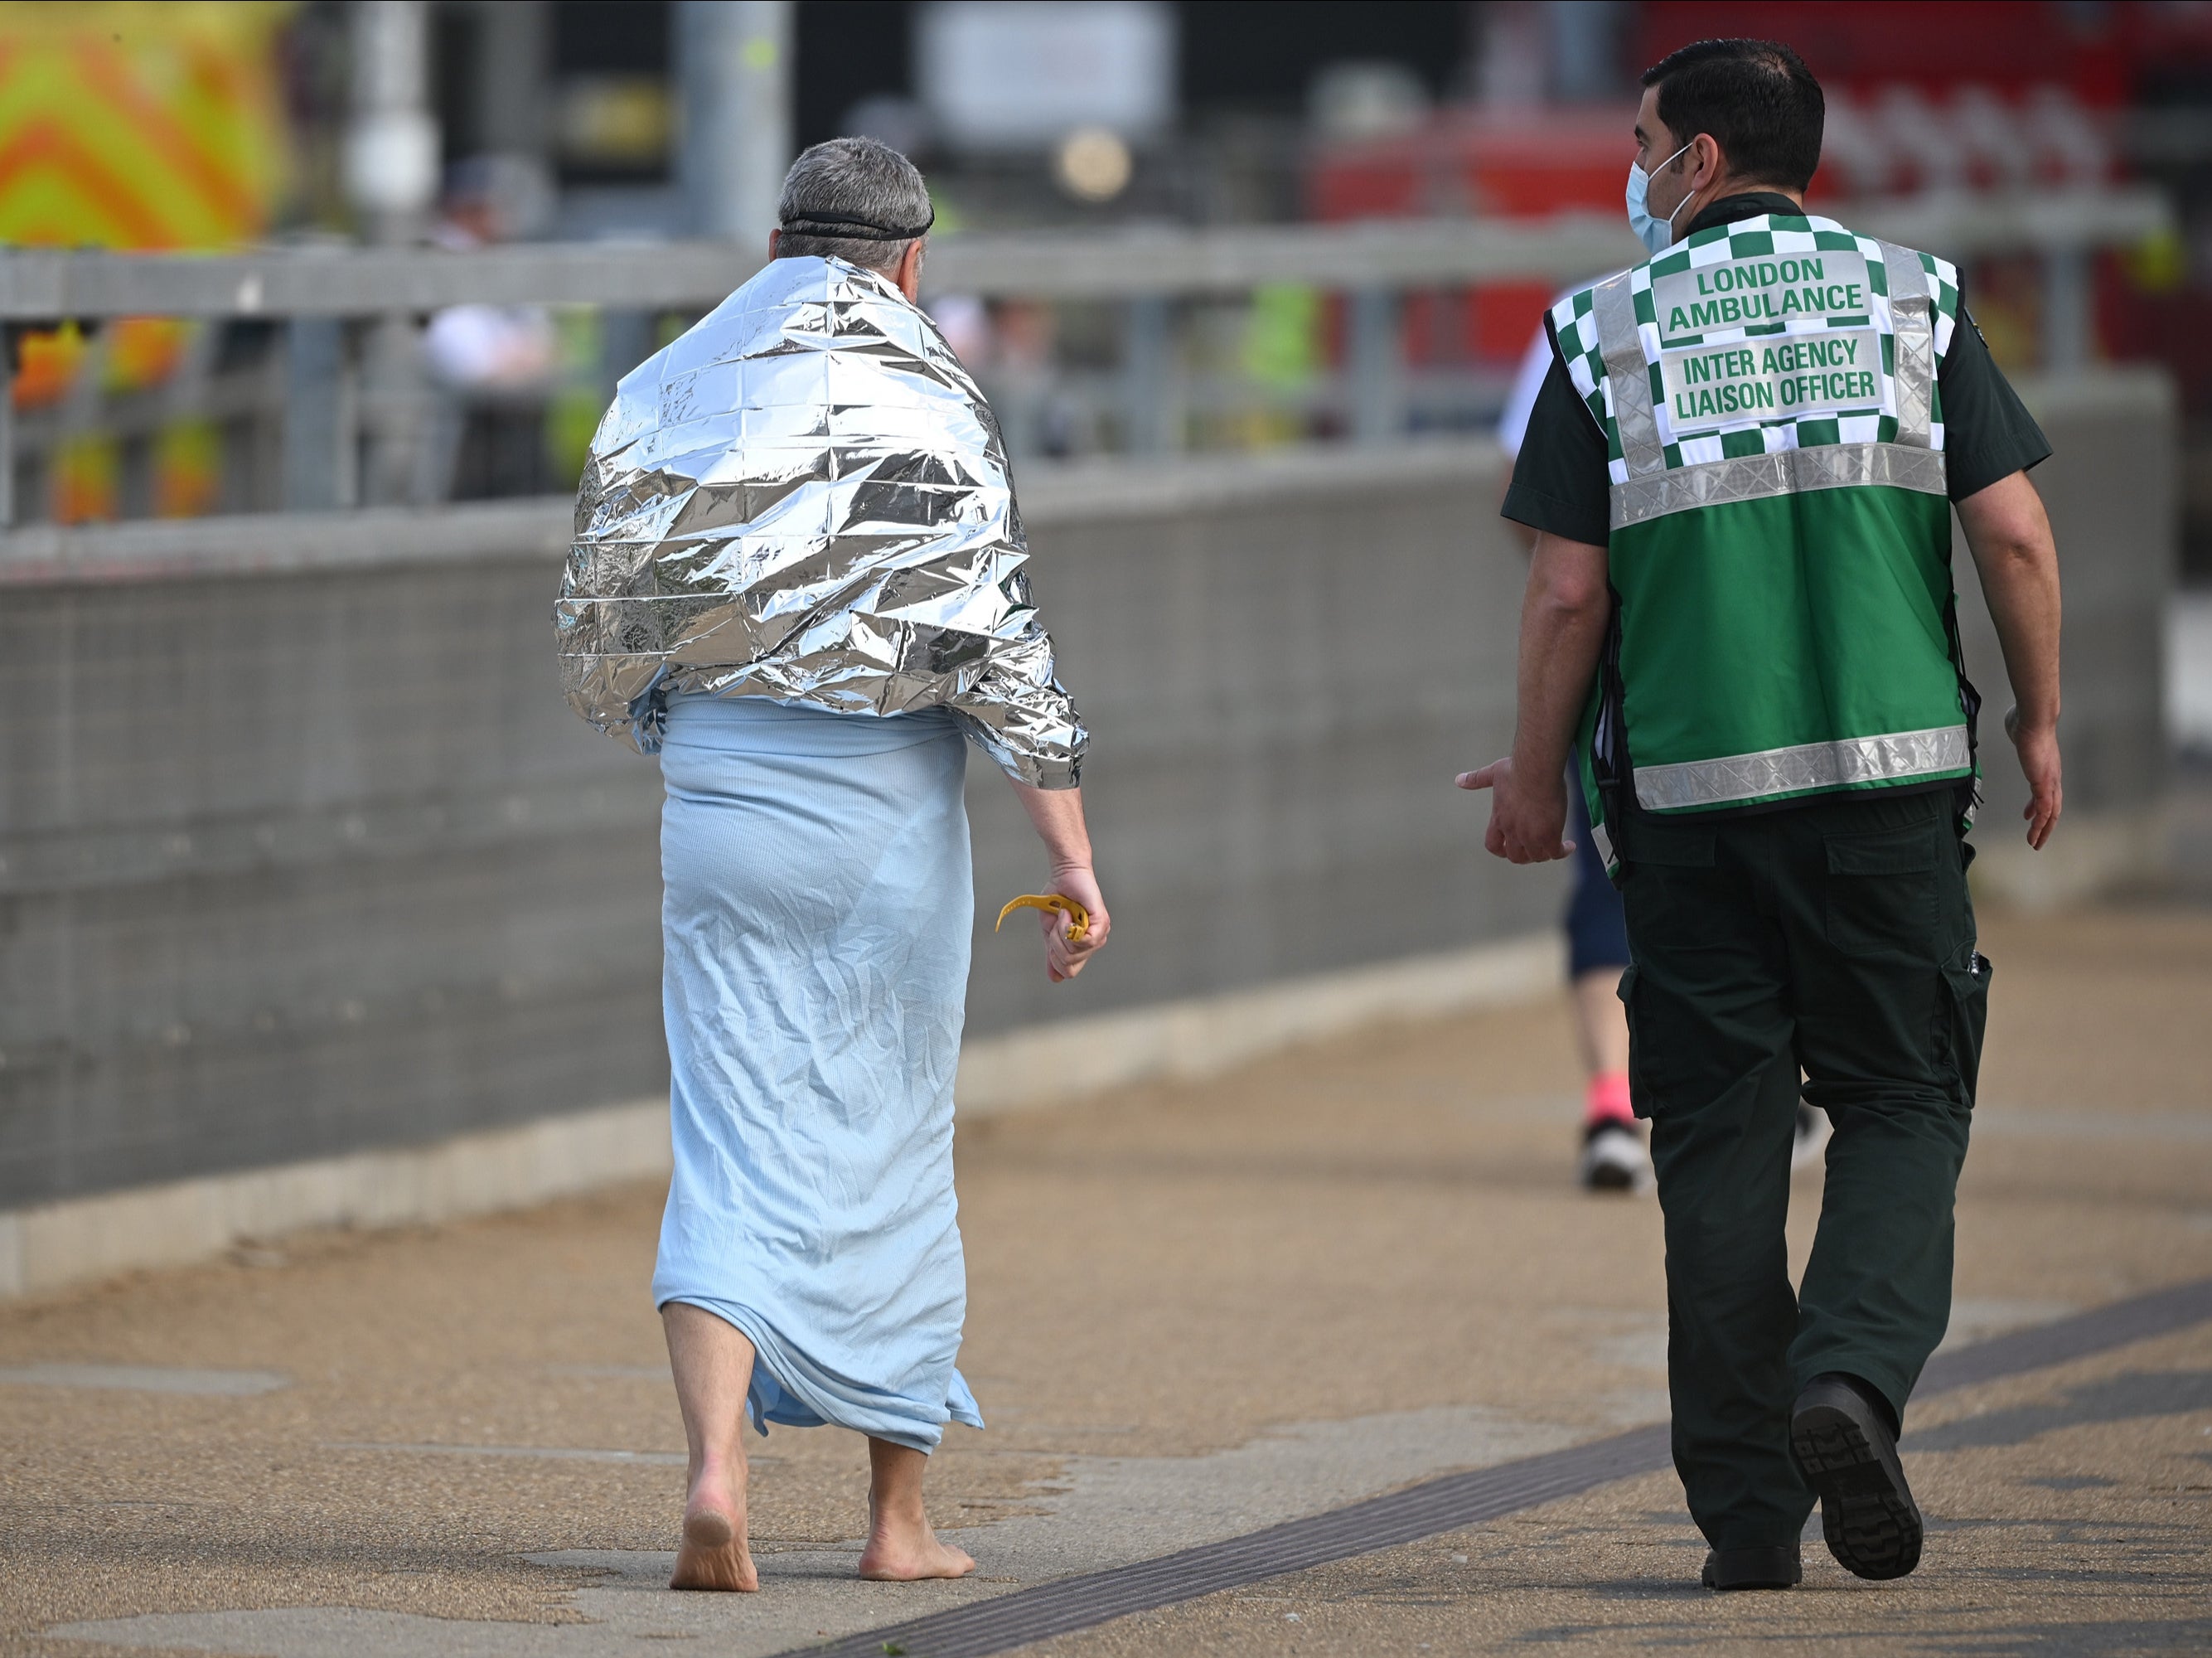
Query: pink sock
{"points": [[1608, 1099]]}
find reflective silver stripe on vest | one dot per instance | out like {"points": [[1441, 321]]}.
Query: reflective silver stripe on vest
{"points": [[1603, 845], [1808, 766], [1914, 329], [1753, 477], [1613, 307]]}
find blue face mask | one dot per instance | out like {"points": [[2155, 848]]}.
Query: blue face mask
{"points": [[1654, 233]]}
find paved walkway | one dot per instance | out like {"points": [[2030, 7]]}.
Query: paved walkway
{"points": [[1196, 1312]]}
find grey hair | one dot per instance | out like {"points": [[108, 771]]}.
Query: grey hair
{"points": [[857, 178]]}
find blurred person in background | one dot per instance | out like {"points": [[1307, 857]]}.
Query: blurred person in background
{"points": [[489, 200], [1613, 1158], [493, 364], [1613, 1154], [1740, 469], [807, 612]]}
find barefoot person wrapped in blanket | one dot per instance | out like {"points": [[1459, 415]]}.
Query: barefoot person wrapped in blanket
{"points": [[797, 578]]}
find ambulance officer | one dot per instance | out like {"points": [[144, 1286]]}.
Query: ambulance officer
{"points": [[1740, 619]]}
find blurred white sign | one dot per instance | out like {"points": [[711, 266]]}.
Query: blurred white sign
{"points": [[1012, 73]]}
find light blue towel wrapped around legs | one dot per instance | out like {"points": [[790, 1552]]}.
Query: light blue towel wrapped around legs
{"points": [[816, 920]]}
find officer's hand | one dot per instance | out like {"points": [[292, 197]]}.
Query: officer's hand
{"points": [[1528, 822], [2038, 760]]}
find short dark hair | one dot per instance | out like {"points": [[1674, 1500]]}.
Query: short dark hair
{"points": [[1756, 99]]}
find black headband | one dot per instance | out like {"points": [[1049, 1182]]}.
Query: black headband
{"points": [[849, 227]]}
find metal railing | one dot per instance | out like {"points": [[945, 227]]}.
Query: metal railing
{"points": [[343, 366]]}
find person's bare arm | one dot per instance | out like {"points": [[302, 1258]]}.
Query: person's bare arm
{"points": [[2010, 535], [1562, 621], [1057, 815]]}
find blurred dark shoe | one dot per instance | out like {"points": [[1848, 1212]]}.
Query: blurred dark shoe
{"points": [[1613, 1158]]}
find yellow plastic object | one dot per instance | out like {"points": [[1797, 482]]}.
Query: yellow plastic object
{"points": [[1078, 918]]}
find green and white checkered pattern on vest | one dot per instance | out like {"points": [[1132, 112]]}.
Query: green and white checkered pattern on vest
{"points": [[1780, 530]]}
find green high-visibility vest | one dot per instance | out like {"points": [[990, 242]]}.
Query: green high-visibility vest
{"points": [[1780, 545]]}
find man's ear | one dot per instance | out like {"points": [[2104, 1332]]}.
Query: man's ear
{"points": [[774, 241], [1707, 164], [909, 271]]}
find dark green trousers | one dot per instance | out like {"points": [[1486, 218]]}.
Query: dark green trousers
{"points": [[1837, 938]]}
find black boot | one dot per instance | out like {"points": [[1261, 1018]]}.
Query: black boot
{"points": [[1776, 1568], [1845, 1445]]}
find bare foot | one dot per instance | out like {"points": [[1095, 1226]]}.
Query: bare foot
{"points": [[905, 1550], [713, 1555]]}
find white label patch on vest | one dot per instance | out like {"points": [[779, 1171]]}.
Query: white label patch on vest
{"points": [[1772, 377], [1713, 299]]}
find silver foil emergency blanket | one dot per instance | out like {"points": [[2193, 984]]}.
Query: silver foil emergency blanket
{"points": [[805, 497]]}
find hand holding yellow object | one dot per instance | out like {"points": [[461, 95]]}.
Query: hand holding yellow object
{"points": [[1078, 918]]}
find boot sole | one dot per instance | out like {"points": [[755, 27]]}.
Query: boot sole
{"points": [[1866, 1511]]}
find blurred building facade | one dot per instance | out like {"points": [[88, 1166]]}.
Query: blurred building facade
{"points": [[469, 122]]}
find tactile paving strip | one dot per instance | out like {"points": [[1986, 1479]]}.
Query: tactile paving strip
{"points": [[1450, 1503]]}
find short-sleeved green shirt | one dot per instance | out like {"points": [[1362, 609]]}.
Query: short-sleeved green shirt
{"points": [[1561, 484]]}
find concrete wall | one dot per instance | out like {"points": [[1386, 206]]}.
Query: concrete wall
{"points": [[300, 864], [302, 857], [1283, 662], [296, 861], [2111, 486]]}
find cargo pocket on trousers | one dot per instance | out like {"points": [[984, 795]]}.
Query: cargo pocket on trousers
{"points": [[1966, 1015], [1882, 893]]}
